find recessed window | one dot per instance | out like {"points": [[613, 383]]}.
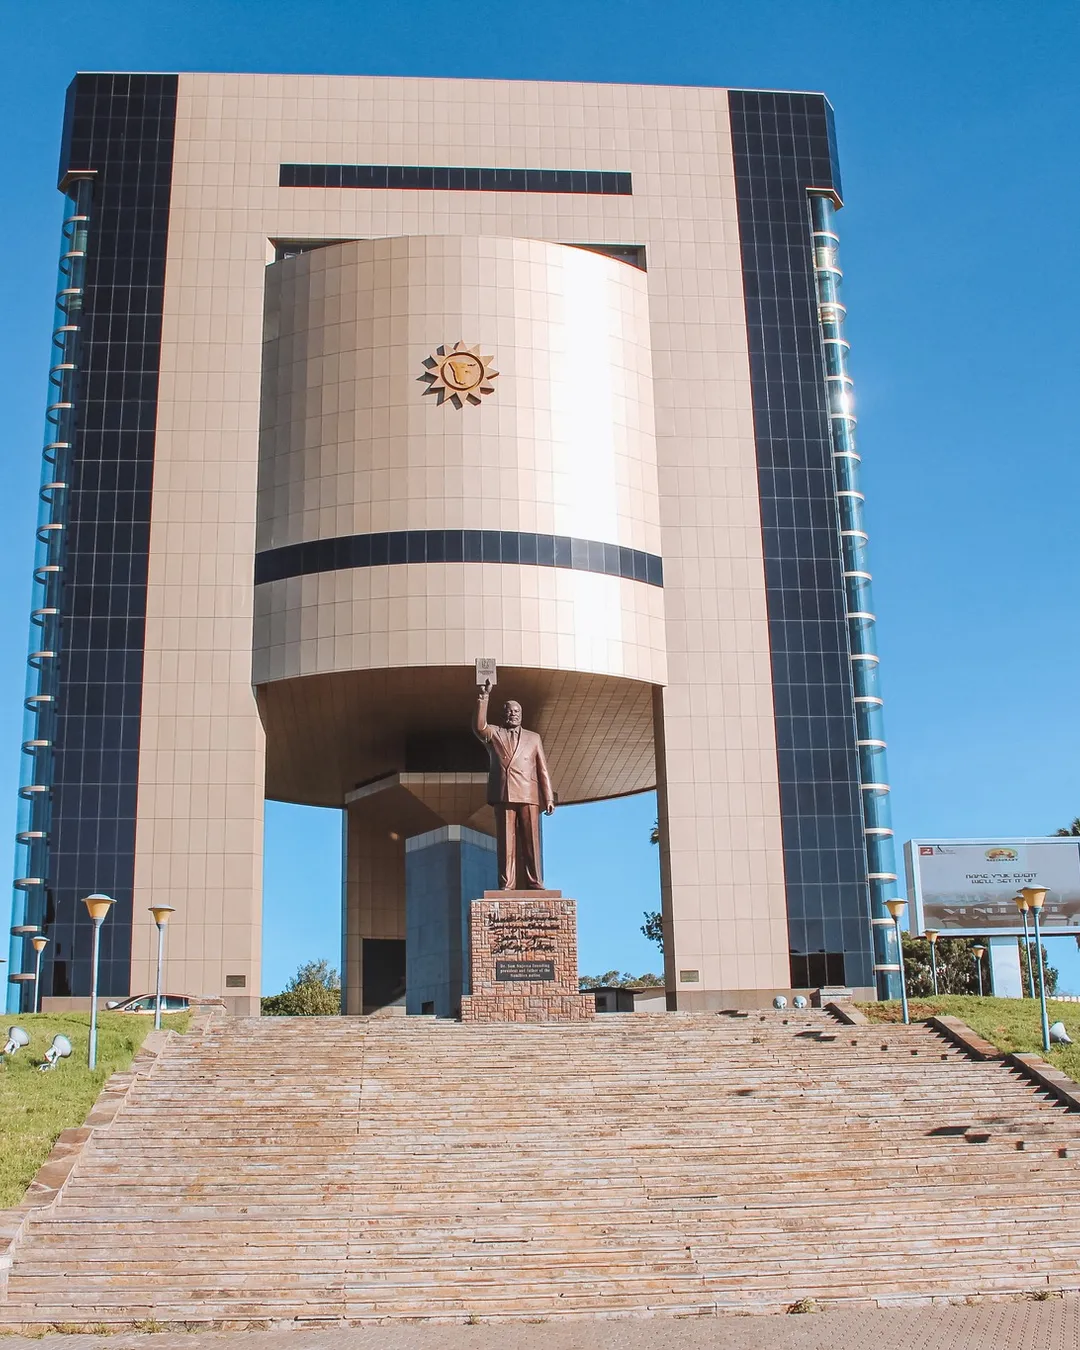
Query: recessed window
{"points": [[632, 254], [436, 178]]}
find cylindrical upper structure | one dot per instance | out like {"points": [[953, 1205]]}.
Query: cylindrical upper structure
{"points": [[406, 524]]}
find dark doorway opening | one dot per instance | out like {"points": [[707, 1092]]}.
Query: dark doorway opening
{"points": [[383, 972]]}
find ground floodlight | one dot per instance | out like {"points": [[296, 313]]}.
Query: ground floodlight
{"points": [[779, 1002], [17, 1038], [800, 1001], [60, 1049], [1059, 1034]]}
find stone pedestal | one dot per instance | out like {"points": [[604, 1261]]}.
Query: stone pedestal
{"points": [[523, 960]]}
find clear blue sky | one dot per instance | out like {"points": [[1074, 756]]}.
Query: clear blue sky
{"points": [[958, 126]]}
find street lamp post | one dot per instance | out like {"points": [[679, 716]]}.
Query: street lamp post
{"points": [[896, 908], [931, 936], [1035, 895], [979, 953], [39, 944], [97, 906], [1022, 905], [161, 915]]}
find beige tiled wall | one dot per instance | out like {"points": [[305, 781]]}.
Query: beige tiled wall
{"points": [[723, 855]]}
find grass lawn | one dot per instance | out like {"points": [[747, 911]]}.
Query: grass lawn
{"points": [[1012, 1024], [35, 1107]]}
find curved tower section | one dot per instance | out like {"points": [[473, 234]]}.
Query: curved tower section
{"points": [[858, 592], [407, 526]]}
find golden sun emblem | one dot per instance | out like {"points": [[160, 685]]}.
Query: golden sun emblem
{"points": [[460, 374]]}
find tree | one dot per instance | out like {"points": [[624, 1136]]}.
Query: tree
{"points": [[306, 1000], [1050, 974], [653, 928], [654, 833], [315, 972], [314, 991], [1071, 830], [611, 979], [957, 971]]}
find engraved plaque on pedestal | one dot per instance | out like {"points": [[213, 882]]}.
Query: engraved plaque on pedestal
{"points": [[523, 960], [506, 971]]}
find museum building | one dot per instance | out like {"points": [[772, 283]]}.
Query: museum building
{"points": [[356, 380]]}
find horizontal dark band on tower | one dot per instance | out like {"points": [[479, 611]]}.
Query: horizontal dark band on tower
{"points": [[443, 546], [433, 178]]}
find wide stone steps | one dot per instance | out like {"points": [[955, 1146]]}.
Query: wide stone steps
{"points": [[313, 1169]]}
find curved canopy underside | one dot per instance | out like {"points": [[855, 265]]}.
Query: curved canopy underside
{"points": [[326, 735]]}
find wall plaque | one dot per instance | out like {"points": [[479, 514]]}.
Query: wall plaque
{"points": [[524, 970], [459, 375]]}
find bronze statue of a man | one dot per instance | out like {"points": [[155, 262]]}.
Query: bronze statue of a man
{"points": [[518, 786]]}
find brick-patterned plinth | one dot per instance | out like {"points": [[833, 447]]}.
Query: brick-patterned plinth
{"points": [[523, 960]]}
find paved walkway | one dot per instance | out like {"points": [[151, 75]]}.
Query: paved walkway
{"points": [[1024, 1325]]}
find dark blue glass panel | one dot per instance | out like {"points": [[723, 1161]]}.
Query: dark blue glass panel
{"points": [[414, 177], [490, 546], [784, 145], [121, 126]]}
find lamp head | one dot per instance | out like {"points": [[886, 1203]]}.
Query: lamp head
{"points": [[39, 943], [979, 952], [1034, 895], [98, 906], [1020, 901], [931, 935], [896, 907], [161, 913], [17, 1038], [60, 1049]]}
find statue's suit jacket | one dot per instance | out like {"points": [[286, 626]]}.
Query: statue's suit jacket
{"points": [[517, 774]]}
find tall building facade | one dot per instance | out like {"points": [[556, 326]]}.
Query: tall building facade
{"points": [[359, 379]]}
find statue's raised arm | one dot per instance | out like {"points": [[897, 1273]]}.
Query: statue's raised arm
{"points": [[480, 723]]}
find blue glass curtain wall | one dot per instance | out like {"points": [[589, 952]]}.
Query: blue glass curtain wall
{"points": [[858, 586], [28, 909], [118, 133], [783, 146]]}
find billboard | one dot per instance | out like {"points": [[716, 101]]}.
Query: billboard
{"points": [[965, 887]]}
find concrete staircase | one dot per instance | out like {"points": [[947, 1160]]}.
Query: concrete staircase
{"points": [[390, 1168]]}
